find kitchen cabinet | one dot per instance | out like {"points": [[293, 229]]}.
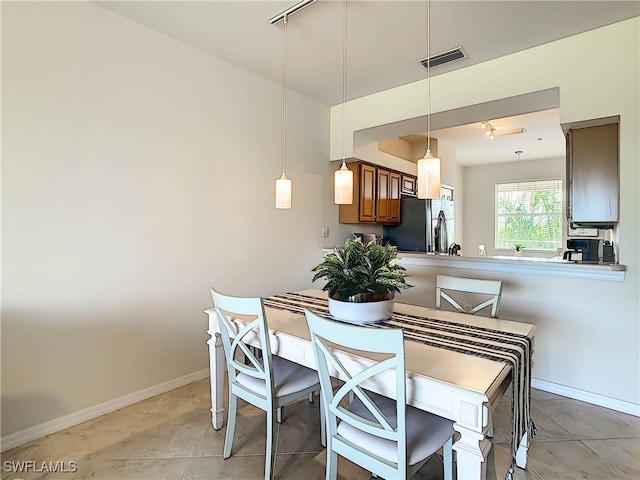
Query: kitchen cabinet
{"points": [[592, 176], [388, 202], [367, 197], [376, 196], [409, 185]]}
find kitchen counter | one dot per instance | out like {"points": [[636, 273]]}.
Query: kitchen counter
{"points": [[527, 265]]}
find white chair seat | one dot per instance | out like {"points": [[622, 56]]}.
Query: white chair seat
{"points": [[419, 445], [288, 378]]}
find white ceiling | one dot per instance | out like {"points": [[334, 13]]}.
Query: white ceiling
{"points": [[385, 38], [543, 138]]}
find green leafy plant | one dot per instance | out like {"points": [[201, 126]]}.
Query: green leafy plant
{"points": [[358, 268], [518, 247]]}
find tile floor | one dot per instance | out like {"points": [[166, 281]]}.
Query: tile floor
{"points": [[170, 437]]}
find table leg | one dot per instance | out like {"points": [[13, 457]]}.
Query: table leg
{"points": [[216, 372], [471, 449]]}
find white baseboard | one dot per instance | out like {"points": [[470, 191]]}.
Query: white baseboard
{"points": [[37, 431], [593, 398]]}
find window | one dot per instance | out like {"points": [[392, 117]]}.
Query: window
{"points": [[530, 214]]}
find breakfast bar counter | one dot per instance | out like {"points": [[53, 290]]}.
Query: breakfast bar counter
{"points": [[512, 264]]}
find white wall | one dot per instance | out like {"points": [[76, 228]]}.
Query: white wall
{"points": [[586, 341], [137, 173], [588, 335], [479, 188], [367, 149]]}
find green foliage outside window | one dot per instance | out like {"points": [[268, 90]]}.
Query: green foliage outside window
{"points": [[530, 214]]}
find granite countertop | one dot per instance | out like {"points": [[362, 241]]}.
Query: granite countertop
{"points": [[555, 266]]}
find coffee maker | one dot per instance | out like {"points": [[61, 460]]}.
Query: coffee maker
{"points": [[583, 250]]}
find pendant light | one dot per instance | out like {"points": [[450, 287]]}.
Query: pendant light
{"points": [[343, 178], [283, 184], [429, 166]]}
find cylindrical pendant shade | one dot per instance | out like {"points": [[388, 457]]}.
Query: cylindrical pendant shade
{"points": [[429, 176], [343, 185], [283, 192]]}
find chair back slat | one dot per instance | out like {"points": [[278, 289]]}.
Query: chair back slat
{"points": [[446, 285], [235, 340], [252, 365], [331, 340], [381, 426]]}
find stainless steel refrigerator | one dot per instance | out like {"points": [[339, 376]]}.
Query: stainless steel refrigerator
{"points": [[425, 226]]}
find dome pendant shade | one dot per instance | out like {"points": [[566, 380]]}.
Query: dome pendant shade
{"points": [[343, 185], [429, 176], [283, 192]]}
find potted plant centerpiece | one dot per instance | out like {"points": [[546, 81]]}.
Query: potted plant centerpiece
{"points": [[518, 249], [362, 279]]}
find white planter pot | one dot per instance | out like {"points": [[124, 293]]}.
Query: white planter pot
{"points": [[361, 312]]}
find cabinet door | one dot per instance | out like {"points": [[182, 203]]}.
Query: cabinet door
{"points": [[409, 185], [393, 212], [388, 203], [350, 213], [382, 204], [367, 194], [377, 194], [593, 174]]}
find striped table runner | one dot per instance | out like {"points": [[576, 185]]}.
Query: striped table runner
{"points": [[513, 349]]}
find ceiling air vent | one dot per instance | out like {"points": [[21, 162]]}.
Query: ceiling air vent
{"points": [[443, 57]]}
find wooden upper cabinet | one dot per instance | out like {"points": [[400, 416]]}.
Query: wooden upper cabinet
{"points": [[395, 187], [376, 196], [388, 205], [367, 194], [363, 208], [592, 175], [382, 205], [350, 213], [409, 185]]}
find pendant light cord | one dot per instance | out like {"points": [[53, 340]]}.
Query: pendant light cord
{"points": [[429, 74], [284, 97], [344, 85]]}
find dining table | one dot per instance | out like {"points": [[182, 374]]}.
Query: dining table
{"points": [[458, 366]]}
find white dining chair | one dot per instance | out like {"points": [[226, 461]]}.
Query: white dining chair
{"points": [[265, 381], [489, 292], [381, 434], [469, 289]]}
